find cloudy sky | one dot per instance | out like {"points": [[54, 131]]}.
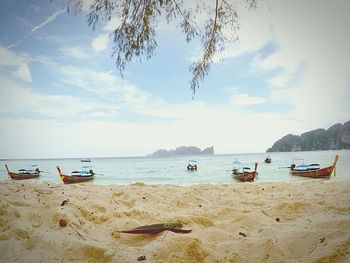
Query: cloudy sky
{"points": [[62, 96]]}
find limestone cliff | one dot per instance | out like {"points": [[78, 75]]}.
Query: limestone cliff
{"points": [[336, 137]]}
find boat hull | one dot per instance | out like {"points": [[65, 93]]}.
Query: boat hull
{"points": [[245, 177], [17, 176], [192, 168], [321, 173], [67, 179]]}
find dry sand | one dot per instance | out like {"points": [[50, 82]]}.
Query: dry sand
{"points": [[247, 222]]}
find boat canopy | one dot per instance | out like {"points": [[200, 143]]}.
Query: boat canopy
{"points": [[33, 168], [314, 164], [302, 167]]}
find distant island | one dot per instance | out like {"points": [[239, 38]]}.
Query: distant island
{"points": [[183, 150], [337, 137]]}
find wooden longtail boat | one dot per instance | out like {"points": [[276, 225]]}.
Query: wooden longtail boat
{"points": [[268, 159], [192, 165], [23, 174], [76, 177], [246, 175], [313, 172]]}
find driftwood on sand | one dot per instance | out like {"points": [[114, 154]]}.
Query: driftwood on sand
{"points": [[157, 228]]}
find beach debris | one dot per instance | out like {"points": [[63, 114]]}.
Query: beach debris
{"points": [[322, 239], [76, 231], [63, 222], [277, 219], [242, 234], [140, 258], [64, 202], [157, 228]]}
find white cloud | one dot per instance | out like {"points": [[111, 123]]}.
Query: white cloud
{"points": [[10, 58], [15, 63], [312, 53], [279, 81], [18, 100], [243, 99], [104, 84], [100, 43], [74, 52], [310, 66], [254, 31], [23, 73]]}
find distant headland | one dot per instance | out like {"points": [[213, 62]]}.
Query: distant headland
{"points": [[337, 137], [183, 150]]}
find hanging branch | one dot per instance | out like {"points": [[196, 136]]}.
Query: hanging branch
{"points": [[135, 37]]}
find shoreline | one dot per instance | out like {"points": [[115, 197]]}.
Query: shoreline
{"points": [[302, 221]]}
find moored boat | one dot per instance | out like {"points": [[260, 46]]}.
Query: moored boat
{"points": [[192, 165], [314, 170], [76, 176], [32, 172], [268, 159], [246, 175]]}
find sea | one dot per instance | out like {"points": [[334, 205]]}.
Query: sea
{"points": [[213, 169]]}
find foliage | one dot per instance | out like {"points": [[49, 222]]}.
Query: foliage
{"points": [[136, 35]]}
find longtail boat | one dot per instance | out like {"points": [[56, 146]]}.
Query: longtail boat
{"points": [[76, 176], [313, 170], [192, 165], [246, 175], [268, 159], [23, 173]]}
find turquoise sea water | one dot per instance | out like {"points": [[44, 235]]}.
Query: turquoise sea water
{"points": [[211, 169]]}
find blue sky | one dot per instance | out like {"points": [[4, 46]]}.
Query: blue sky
{"points": [[62, 96]]}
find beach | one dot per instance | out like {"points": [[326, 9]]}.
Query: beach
{"points": [[306, 221]]}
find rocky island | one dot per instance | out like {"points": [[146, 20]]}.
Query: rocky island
{"points": [[337, 137], [183, 150]]}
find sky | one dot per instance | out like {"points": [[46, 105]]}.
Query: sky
{"points": [[61, 94]]}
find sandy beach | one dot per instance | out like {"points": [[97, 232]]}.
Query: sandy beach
{"points": [[249, 222]]}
